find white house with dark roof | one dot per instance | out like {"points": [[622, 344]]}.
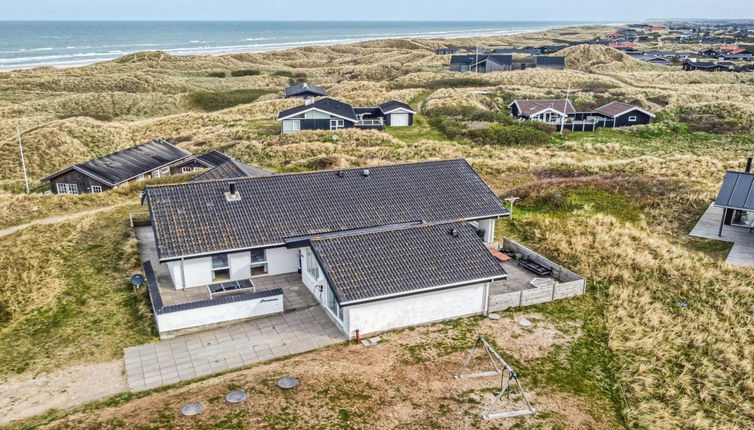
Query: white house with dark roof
{"points": [[379, 248], [562, 114]]}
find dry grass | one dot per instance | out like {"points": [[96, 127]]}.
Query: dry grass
{"points": [[614, 206]]}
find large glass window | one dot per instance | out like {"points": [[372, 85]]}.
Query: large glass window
{"points": [[312, 268], [333, 305], [258, 262], [220, 268]]}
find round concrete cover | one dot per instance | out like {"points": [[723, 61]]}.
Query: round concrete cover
{"points": [[524, 322], [288, 383], [493, 316], [236, 396], [191, 409]]}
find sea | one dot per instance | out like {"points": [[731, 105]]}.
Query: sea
{"points": [[27, 44]]}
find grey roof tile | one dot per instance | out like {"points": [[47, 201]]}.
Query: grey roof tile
{"points": [[195, 218], [230, 170], [362, 266]]}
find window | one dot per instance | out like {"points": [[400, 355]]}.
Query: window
{"points": [[333, 305], [140, 178], [312, 267], [165, 171], [632, 119], [290, 126], [96, 189], [187, 169], [220, 268], [258, 262], [67, 188], [336, 124]]}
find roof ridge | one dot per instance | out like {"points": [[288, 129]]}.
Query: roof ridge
{"points": [[277, 175]]}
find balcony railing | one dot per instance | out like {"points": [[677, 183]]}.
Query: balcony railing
{"points": [[377, 121]]}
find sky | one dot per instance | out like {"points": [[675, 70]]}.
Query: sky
{"points": [[395, 10]]}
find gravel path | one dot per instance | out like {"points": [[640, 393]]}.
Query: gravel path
{"points": [[56, 219]]}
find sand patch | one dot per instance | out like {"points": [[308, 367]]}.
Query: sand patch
{"points": [[28, 395]]}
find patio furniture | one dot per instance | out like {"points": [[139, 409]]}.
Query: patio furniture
{"points": [[535, 267], [501, 256], [230, 287]]}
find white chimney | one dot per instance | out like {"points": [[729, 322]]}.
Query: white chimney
{"points": [[309, 100]]}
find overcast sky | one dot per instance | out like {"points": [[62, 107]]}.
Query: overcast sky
{"points": [[397, 10]]}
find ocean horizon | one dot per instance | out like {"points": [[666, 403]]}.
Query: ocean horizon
{"points": [[28, 44]]}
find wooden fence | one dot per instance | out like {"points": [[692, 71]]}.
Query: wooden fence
{"points": [[567, 283]]}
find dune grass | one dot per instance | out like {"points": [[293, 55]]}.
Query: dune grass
{"points": [[66, 296]]}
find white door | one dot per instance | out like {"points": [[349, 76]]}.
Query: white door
{"points": [[399, 119]]}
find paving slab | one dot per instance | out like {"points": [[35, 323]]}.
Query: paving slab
{"points": [[708, 227], [198, 354]]}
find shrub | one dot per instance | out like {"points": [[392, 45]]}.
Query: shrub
{"points": [[212, 101], [245, 72], [217, 74], [290, 74], [503, 129]]}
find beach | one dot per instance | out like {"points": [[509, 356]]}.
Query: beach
{"points": [[68, 44]]}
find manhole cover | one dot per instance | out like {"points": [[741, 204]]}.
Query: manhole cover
{"points": [[191, 409], [525, 323], [236, 396], [493, 316], [288, 383]]}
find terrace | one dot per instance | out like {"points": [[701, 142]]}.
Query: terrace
{"points": [[710, 226]]}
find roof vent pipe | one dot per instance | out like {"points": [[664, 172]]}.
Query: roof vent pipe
{"points": [[748, 164], [232, 194], [366, 173]]}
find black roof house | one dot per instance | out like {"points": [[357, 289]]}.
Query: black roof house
{"points": [[304, 90], [273, 209], [231, 169], [370, 265], [557, 63], [331, 106], [119, 167]]}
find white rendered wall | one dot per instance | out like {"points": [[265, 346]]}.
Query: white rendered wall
{"points": [[219, 313], [198, 272], [282, 260], [416, 309], [240, 265], [489, 229]]}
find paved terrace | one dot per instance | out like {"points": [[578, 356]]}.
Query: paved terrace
{"points": [[742, 253], [199, 354], [303, 326], [518, 279]]}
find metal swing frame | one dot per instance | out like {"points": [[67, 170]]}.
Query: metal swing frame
{"points": [[507, 375]]}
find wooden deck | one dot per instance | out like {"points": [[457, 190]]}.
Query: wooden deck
{"points": [[742, 253]]}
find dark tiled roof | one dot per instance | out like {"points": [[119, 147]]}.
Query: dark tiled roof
{"points": [[527, 51], [213, 158], [304, 88], [328, 105], [121, 166], [393, 105], [531, 107], [231, 170], [614, 109], [195, 218], [472, 59], [399, 261], [737, 191]]}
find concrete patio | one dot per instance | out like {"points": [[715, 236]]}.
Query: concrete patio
{"points": [[518, 279], [742, 252], [224, 348]]}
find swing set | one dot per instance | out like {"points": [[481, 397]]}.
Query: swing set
{"points": [[510, 386]]}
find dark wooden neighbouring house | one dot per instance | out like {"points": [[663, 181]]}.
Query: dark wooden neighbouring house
{"points": [[331, 114], [207, 160], [303, 91], [480, 63], [148, 160], [624, 115]]}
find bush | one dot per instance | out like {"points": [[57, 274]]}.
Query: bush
{"points": [[289, 74], [217, 74], [212, 101], [245, 72], [447, 83], [503, 129]]}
